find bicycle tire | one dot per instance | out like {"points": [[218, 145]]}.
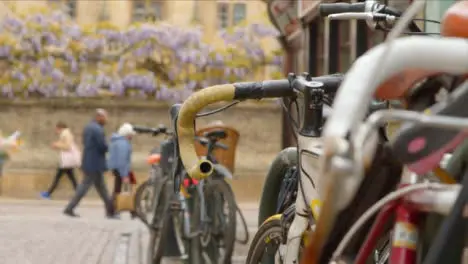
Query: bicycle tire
{"points": [[138, 199], [181, 240], [155, 251], [155, 178], [195, 250], [268, 232], [228, 233], [244, 225]]}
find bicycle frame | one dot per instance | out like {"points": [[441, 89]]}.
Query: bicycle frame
{"points": [[309, 181], [416, 52], [409, 208], [198, 188], [408, 215]]}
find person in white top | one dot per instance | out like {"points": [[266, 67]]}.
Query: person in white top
{"points": [[70, 158], [7, 145]]}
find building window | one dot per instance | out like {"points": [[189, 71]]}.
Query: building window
{"points": [[156, 9], [139, 10], [239, 13], [196, 14], [223, 15], [230, 14], [144, 10], [69, 6], [104, 13]]}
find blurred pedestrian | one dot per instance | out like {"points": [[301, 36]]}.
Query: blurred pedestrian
{"points": [[70, 158], [4, 155], [93, 164], [120, 158], [7, 145]]}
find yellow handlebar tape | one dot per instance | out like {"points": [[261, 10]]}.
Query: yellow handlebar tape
{"points": [[196, 168]]}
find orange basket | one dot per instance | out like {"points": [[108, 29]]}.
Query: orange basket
{"points": [[224, 157]]}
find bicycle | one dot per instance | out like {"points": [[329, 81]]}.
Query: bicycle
{"points": [[230, 92], [346, 159], [303, 85], [326, 9], [195, 213], [160, 165]]}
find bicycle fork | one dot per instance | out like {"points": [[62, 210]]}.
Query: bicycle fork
{"points": [[186, 212], [186, 215]]}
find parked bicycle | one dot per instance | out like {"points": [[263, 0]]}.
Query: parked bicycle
{"points": [[200, 217], [286, 89], [432, 84], [419, 144], [160, 163], [311, 90]]}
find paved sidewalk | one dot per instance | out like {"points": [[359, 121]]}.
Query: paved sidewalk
{"points": [[36, 232]]}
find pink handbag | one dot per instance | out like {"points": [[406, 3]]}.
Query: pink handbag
{"points": [[70, 158]]}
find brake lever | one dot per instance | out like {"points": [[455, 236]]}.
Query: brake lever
{"points": [[372, 19], [351, 15]]}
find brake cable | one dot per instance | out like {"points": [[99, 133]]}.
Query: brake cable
{"points": [[218, 109]]}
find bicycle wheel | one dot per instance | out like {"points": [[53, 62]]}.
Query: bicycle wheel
{"points": [[143, 200], [267, 243], [145, 195], [218, 230], [193, 242], [159, 226], [182, 241]]}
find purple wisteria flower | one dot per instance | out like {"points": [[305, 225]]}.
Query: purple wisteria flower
{"points": [[54, 56]]}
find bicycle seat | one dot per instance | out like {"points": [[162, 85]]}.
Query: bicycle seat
{"points": [[205, 141], [216, 134], [422, 147]]}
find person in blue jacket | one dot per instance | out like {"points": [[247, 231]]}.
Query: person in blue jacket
{"points": [[120, 157], [93, 165]]}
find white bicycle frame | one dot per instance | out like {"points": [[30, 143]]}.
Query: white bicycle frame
{"points": [[308, 190], [447, 55], [343, 131], [430, 196]]}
